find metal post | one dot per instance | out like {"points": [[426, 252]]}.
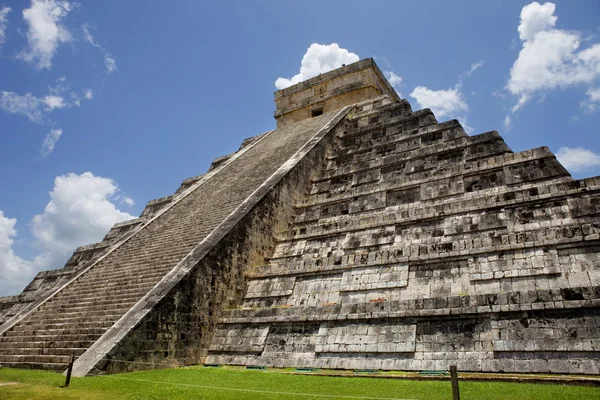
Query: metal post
{"points": [[454, 378], [69, 370]]}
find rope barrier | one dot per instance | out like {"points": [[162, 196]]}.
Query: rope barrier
{"points": [[137, 362]]}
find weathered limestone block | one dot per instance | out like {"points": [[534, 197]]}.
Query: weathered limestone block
{"points": [[373, 338], [270, 287], [361, 279], [243, 339]]}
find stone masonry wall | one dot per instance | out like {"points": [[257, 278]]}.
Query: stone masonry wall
{"points": [[418, 247]]}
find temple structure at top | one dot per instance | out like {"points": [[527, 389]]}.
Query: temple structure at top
{"points": [[358, 234]]}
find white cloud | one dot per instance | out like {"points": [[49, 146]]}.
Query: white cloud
{"points": [[110, 63], [80, 211], [45, 32], [318, 59], [53, 102], [443, 103], [394, 79], [577, 159], [467, 74], [550, 58], [447, 103], [88, 36], [37, 108], [15, 272], [3, 23], [129, 201], [49, 142], [109, 60], [536, 18], [27, 105], [88, 94], [594, 94], [593, 101], [507, 123], [465, 124]]}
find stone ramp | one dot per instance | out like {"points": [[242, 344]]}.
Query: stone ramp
{"points": [[72, 319], [421, 246]]}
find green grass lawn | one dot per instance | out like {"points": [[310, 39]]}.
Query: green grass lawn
{"points": [[209, 383]]}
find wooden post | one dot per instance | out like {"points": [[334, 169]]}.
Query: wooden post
{"points": [[454, 378], [69, 370]]}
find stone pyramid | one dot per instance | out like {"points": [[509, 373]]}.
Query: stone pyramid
{"points": [[357, 235]]}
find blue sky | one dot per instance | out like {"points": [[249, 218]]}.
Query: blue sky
{"points": [[108, 104]]}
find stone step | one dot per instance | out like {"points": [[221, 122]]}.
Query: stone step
{"points": [[117, 276], [121, 297], [56, 323], [63, 344], [67, 330], [96, 285], [368, 157], [91, 306], [29, 365], [42, 351], [78, 292], [115, 290], [50, 338], [549, 186], [53, 359], [147, 265], [75, 318]]}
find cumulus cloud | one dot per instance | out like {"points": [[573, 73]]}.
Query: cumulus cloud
{"points": [[109, 61], [443, 103], [447, 103], [550, 58], [37, 108], [49, 142], [129, 201], [80, 211], [593, 101], [15, 272], [318, 59], [3, 24], [536, 18], [45, 32], [577, 159]]}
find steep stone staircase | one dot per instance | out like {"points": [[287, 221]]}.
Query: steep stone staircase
{"points": [[72, 319]]}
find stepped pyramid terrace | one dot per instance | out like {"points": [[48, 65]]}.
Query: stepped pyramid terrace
{"points": [[358, 234]]}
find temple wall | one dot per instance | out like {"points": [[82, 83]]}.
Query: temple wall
{"points": [[418, 247]]}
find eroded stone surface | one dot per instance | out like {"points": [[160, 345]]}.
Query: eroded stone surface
{"points": [[420, 246]]}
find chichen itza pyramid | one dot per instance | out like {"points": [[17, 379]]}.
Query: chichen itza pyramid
{"points": [[358, 234]]}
